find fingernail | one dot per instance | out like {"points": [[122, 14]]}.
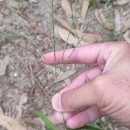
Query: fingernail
{"points": [[56, 103]]}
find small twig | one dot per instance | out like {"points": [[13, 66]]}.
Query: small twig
{"points": [[40, 86], [35, 75], [32, 24]]}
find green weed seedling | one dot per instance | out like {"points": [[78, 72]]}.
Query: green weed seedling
{"points": [[104, 1], [47, 122], [51, 126], [20, 4]]}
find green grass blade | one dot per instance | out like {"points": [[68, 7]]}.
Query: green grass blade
{"points": [[87, 127], [105, 1], [47, 122]]}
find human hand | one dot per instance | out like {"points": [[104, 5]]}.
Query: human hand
{"points": [[102, 90]]}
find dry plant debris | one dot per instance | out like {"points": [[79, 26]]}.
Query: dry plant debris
{"points": [[84, 9], [68, 37], [73, 35], [89, 37], [3, 65], [10, 123], [126, 36], [35, 121], [121, 2], [67, 7], [102, 20], [67, 74], [86, 37], [22, 101], [122, 19]]}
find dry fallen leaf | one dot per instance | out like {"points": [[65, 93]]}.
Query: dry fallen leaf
{"points": [[68, 37], [10, 123], [34, 121], [84, 9], [64, 23], [39, 122], [67, 74], [121, 2], [3, 65], [67, 7], [87, 37], [122, 22], [127, 36], [102, 20]]}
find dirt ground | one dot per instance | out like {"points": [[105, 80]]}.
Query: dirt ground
{"points": [[27, 86]]}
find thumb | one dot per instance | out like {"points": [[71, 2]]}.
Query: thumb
{"points": [[78, 98]]}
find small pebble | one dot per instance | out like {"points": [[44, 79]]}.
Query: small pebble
{"points": [[15, 74]]}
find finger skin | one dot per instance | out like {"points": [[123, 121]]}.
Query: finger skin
{"points": [[89, 115], [110, 91], [83, 78], [82, 55], [79, 81], [61, 118], [76, 99], [79, 119]]}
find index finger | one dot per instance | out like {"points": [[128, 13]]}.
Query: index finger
{"points": [[82, 55]]}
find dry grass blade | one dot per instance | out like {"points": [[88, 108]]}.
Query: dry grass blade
{"points": [[126, 36], [87, 37], [102, 20], [67, 7], [10, 123], [63, 34], [84, 9], [63, 76]]}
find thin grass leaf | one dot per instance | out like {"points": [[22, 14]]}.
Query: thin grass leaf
{"points": [[87, 127], [47, 122], [104, 1]]}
